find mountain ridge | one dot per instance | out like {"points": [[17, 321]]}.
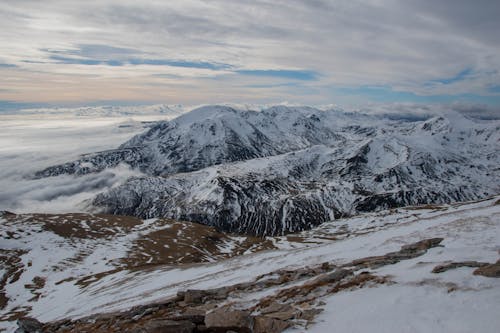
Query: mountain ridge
{"points": [[286, 169]]}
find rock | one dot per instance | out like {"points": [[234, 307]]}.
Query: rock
{"points": [[409, 251], [309, 314], [226, 319], [6, 213], [283, 315], [194, 296], [29, 325], [444, 268], [276, 307], [490, 270], [264, 324], [422, 245], [200, 310], [194, 318], [166, 326], [334, 276]]}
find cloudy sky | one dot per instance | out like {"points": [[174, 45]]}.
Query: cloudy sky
{"points": [[263, 51]]}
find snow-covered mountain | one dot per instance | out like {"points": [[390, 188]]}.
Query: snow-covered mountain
{"points": [[285, 169]]}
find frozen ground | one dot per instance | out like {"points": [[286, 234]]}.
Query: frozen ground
{"points": [[417, 301]]}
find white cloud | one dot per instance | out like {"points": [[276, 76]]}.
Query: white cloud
{"points": [[28, 144], [399, 44]]}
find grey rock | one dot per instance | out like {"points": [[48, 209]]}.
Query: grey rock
{"points": [[29, 325], [227, 319]]}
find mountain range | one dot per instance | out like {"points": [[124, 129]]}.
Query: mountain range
{"points": [[285, 169]]}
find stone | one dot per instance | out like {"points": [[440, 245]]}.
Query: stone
{"points": [[29, 325], [194, 318], [199, 310], [422, 245], [227, 319], [264, 324], [276, 307], [283, 315], [166, 326], [490, 270], [309, 314], [332, 277], [409, 251], [194, 296], [452, 265]]}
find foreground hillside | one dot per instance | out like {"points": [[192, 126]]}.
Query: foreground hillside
{"points": [[287, 169], [428, 268]]}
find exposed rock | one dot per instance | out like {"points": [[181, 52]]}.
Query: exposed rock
{"points": [[309, 314], [296, 300], [490, 270], [276, 307], [265, 324], [29, 325], [200, 310], [332, 277], [6, 213], [194, 318], [193, 296], [453, 265], [283, 315], [422, 245], [407, 252], [166, 326], [227, 319]]}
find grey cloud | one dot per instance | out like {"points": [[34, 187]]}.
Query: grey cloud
{"points": [[416, 111], [402, 44]]}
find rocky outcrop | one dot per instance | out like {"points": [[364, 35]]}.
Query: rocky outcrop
{"points": [[490, 270], [407, 252], [483, 268], [453, 265]]}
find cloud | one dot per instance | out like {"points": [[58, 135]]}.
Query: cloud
{"points": [[28, 145], [281, 73], [418, 48], [420, 111]]}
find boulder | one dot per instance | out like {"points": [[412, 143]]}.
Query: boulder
{"points": [[225, 319], [264, 324], [29, 325]]}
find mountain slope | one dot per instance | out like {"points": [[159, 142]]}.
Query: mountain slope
{"points": [[430, 268], [287, 169]]}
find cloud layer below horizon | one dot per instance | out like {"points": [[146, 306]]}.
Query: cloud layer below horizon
{"points": [[192, 51]]}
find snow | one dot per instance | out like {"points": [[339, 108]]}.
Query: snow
{"points": [[418, 302], [300, 161], [470, 232], [409, 309]]}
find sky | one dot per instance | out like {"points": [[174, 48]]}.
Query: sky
{"points": [[263, 51]]}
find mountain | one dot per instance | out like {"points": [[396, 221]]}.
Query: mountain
{"points": [[286, 169]]}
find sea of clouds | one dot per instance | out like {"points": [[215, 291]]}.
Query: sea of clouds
{"points": [[32, 142]]}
